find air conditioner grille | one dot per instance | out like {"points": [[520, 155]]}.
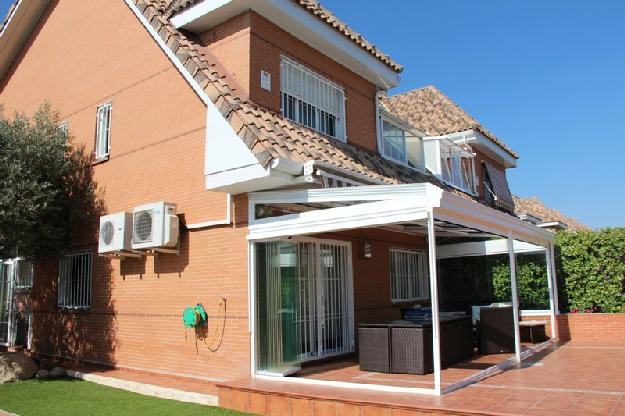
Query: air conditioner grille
{"points": [[107, 232], [143, 226]]}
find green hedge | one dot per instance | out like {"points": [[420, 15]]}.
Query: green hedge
{"points": [[483, 280], [591, 270]]}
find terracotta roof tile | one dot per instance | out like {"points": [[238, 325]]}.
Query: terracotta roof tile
{"points": [[170, 7], [268, 134], [431, 111], [534, 206]]}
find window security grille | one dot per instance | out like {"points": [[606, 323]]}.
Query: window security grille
{"points": [[75, 281], [311, 100], [409, 275]]}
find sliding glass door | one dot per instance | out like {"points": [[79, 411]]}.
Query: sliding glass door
{"points": [[304, 303]]}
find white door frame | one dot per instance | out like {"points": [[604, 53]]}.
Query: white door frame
{"points": [[252, 294]]}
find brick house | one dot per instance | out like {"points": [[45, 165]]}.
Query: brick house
{"points": [[269, 126]]}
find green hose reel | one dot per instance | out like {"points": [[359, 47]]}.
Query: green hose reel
{"points": [[194, 317]]}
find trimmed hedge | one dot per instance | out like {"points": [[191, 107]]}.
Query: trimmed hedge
{"points": [[484, 280], [590, 269]]}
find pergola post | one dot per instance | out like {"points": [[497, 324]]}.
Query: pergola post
{"points": [[551, 284], [515, 300], [436, 342]]}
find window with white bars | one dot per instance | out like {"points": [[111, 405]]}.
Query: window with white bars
{"points": [[23, 273], [311, 100], [409, 275], [103, 131], [75, 281]]}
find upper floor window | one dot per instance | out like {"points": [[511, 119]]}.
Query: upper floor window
{"points": [[103, 131], [457, 167], [64, 128], [401, 146], [309, 99]]}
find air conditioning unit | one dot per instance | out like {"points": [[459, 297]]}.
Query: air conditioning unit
{"points": [[155, 226], [115, 233]]}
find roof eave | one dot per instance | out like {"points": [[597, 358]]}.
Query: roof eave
{"points": [[16, 30], [300, 23]]}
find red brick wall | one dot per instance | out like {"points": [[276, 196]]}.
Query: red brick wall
{"points": [[606, 327], [372, 284], [592, 327], [248, 43], [97, 51]]}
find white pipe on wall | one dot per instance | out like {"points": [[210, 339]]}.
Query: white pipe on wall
{"points": [[226, 221]]}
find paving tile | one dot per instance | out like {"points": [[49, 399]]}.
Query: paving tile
{"points": [[257, 403], [324, 407], [278, 405], [377, 411], [239, 400], [303, 407], [348, 409]]}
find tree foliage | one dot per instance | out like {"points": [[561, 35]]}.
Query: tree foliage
{"points": [[46, 186]]}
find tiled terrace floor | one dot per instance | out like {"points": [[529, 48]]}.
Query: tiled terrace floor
{"points": [[349, 371], [577, 379]]}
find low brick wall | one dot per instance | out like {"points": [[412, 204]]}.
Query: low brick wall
{"points": [[587, 326], [592, 327]]}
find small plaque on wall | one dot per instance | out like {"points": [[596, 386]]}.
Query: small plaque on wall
{"points": [[265, 80]]}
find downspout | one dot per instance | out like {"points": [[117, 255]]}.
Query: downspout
{"points": [[378, 128]]}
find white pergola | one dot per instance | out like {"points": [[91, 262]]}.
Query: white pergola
{"points": [[423, 209]]}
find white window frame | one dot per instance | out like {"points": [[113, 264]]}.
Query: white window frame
{"points": [[455, 174], [103, 131], [31, 273], [313, 99], [406, 288], [69, 297], [385, 119], [64, 128]]}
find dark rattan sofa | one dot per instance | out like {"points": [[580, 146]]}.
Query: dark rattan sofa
{"points": [[406, 346]]}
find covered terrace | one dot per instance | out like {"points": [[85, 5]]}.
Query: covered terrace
{"points": [[301, 271]]}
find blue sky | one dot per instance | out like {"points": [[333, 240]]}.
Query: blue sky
{"points": [[548, 77]]}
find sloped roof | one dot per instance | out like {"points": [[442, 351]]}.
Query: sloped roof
{"points": [[267, 134], [170, 7], [534, 206], [431, 111]]}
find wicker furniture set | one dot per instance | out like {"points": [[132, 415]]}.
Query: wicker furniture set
{"points": [[405, 346]]}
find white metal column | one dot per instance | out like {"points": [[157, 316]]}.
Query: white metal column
{"points": [[515, 300], [251, 301], [553, 306], [436, 341]]}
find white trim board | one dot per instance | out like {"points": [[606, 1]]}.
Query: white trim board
{"points": [[485, 248]]}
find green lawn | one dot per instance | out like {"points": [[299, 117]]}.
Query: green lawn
{"points": [[74, 397]]}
